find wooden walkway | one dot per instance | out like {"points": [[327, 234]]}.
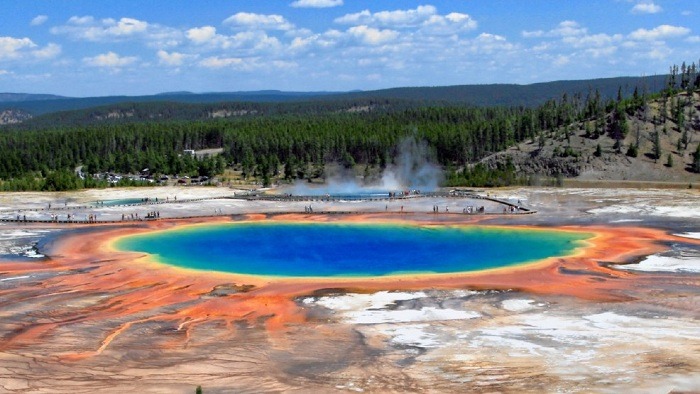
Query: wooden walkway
{"points": [[518, 210]]}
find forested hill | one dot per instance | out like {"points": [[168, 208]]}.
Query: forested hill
{"points": [[512, 95], [477, 95], [166, 111]]}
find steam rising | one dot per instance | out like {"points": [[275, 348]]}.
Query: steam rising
{"points": [[412, 170]]}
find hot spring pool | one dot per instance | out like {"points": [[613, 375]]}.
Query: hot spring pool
{"points": [[348, 249]]}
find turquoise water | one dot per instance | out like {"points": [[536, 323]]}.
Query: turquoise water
{"points": [[348, 249], [123, 201]]}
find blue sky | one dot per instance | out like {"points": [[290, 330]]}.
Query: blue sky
{"points": [[134, 47]]}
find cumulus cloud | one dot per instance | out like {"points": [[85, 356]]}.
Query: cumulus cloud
{"points": [[48, 52], [12, 48], [659, 33], [247, 20], [533, 33], [39, 20], [110, 60], [326, 40], [646, 8], [570, 36], [423, 19], [172, 58], [561, 60], [592, 40], [253, 42], [372, 36], [201, 35], [566, 28], [220, 62], [87, 28], [396, 19], [316, 3], [451, 23], [489, 43]]}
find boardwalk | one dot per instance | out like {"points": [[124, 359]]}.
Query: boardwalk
{"points": [[91, 214]]}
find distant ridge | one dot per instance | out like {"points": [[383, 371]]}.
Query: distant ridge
{"points": [[19, 97], [181, 93], [477, 95], [519, 95]]}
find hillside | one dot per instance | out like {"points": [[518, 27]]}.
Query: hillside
{"points": [[13, 116], [478, 95], [576, 156]]}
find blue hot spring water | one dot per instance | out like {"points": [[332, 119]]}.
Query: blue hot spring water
{"points": [[293, 249]]}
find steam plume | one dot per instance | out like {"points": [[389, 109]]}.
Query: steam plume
{"points": [[412, 170]]}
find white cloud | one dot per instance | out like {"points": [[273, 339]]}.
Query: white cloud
{"points": [[487, 43], [533, 34], [12, 48], [592, 40], [172, 58], [561, 60], [39, 20], [127, 26], [659, 33], [87, 28], [693, 39], [372, 36], [566, 28], [283, 64], [201, 35], [601, 52], [396, 19], [316, 3], [81, 20], [4, 72], [110, 60], [686, 13], [254, 42], [646, 8], [249, 20], [423, 19], [48, 52], [218, 62], [658, 53], [448, 24], [327, 40]]}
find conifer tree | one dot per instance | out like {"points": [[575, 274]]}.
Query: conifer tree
{"points": [[656, 147]]}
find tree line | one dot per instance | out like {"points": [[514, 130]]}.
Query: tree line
{"points": [[299, 140]]}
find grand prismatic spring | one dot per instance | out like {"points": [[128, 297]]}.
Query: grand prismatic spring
{"points": [[334, 249], [596, 292]]}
